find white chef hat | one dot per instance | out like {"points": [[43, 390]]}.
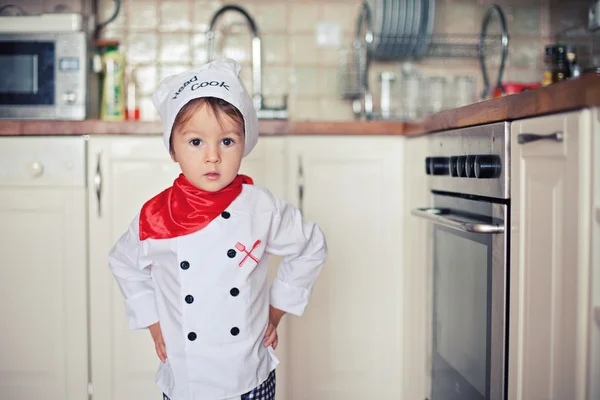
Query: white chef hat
{"points": [[219, 78]]}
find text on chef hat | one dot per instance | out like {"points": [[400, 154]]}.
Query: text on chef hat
{"points": [[195, 85]]}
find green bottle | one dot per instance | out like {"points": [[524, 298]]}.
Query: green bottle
{"points": [[113, 96]]}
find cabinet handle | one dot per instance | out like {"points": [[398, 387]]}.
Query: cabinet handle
{"points": [[98, 184], [300, 185], [532, 137]]}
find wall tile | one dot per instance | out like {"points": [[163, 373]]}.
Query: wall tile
{"points": [[142, 14], [305, 109], [238, 47], [305, 81], [334, 109], [303, 49], [106, 9], [203, 11], [344, 13], [63, 6], [142, 47], [275, 49], [168, 70], [271, 17], [147, 110], [329, 82], [199, 48], [462, 17], [276, 81], [175, 15], [32, 7], [146, 77], [175, 48], [303, 17], [525, 20]]}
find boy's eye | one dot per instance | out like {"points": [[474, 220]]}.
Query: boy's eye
{"points": [[228, 141], [195, 142]]}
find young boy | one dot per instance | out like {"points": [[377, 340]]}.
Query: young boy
{"points": [[193, 264]]}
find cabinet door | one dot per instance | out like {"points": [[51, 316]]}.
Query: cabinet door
{"points": [[549, 265], [43, 304], [417, 273], [348, 343], [124, 173]]}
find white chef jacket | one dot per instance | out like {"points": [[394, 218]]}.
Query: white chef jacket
{"points": [[212, 298]]}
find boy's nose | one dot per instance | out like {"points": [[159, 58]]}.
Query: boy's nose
{"points": [[213, 156]]}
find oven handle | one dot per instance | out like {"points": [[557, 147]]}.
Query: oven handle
{"points": [[435, 215]]}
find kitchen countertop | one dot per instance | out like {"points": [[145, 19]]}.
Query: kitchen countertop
{"points": [[564, 96]]}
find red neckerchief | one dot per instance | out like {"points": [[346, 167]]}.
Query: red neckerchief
{"points": [[183, 208]]}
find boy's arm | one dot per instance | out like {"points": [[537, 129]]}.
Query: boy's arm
{"points": [[132, 272], [304, 249]]}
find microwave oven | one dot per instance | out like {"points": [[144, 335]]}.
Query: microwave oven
{"points": [[43, 75]]}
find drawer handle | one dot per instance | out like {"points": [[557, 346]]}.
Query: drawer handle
{"points": [[98, 184], [532, 137], [35, 169]]}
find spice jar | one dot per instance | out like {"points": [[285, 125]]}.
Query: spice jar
{"points": [[557, 68]]}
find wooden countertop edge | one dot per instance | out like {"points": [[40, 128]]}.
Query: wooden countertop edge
{"points": [[560, 97], [270, 127]]}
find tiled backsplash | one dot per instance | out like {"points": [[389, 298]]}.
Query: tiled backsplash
{"points": [[568, 22], [162, 37]]}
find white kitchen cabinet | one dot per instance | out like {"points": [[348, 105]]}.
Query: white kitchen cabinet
{"points": [[43, 298], [124, 172], [348, 344], [550, 259]]}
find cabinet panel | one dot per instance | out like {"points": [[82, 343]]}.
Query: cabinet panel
{"points": [[348, 343], [43, 293], [548, 281]]}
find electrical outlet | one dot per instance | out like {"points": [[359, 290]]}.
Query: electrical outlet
{"points": [[594, 16]]}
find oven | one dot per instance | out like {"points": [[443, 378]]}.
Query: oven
{"points": [[469, 175]]}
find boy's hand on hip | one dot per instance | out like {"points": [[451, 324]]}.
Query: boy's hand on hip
{"points": [[159, 342], [271, 338]]}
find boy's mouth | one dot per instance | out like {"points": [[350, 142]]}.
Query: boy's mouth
{"points": [[212, 176]]}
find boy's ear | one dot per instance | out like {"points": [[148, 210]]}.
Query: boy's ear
{"points": [[173, 157]]}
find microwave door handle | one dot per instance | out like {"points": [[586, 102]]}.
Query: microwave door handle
{"points": [[436, 216]]}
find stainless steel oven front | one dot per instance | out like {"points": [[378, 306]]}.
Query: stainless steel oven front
{"points": [[469, 176]]}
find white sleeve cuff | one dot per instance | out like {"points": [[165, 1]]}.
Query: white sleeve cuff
{"points": [[291, 299], [141, 310]]}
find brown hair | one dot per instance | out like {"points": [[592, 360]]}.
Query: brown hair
{"points": [[218, 108]]}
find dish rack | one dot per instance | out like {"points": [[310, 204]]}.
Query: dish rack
{"points": [[466, 46]]}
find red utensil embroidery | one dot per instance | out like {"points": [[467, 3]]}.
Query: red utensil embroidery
{"points": [[241, 247]]}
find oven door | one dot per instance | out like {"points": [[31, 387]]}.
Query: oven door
{"points": [[469, 308]]}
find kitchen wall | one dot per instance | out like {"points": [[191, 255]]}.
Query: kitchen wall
{"points": [[161, 37], [568, 23]]}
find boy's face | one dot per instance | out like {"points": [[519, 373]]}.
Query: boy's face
{"points": [[208, 152]]}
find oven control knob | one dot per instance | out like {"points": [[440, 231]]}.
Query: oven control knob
{"points": [[460, 166], [470, 166], [453, 166], [488, 166], [70, 98], [428, 165], [439, 165]]}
